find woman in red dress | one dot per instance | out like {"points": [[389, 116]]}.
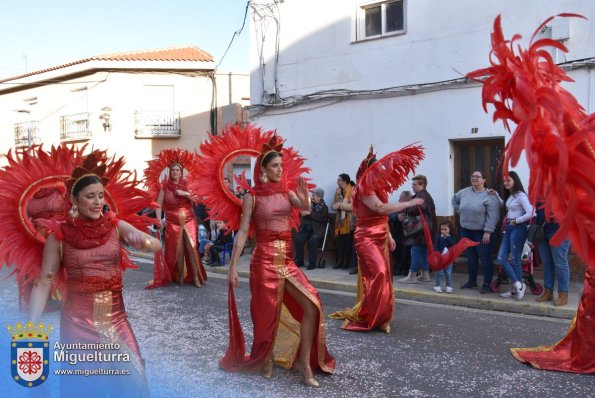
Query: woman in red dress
{"points": [[181, 249], [182, 261], [87, 251], [286, 311], [374, 300]]}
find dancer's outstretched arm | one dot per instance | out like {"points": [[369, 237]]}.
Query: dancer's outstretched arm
{"points": [[374, 204]]}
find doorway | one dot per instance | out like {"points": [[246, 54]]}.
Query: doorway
{"points": [[483, 155]]}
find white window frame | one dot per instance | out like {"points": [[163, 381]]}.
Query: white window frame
{"points": [[360, 20]]}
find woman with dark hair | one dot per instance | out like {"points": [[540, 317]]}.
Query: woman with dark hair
{"points": [[518, 213], [343, 221], [374, 300], [87, 250], [286, 311], [479, 213]]}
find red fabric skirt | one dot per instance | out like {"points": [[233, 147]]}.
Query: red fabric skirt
{"points": [[576, 351], [101, 318], [276, 316], [374, 300], [181, 234]]}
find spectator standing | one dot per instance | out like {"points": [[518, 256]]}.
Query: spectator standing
{"points": [[419, 249], [402, 254], [479, 211], [444, 242], [312, 229], [554, 259], [343, 220], [518, 213]]}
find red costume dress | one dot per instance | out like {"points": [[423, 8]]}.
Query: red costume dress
{"points": [[181, 232], [276, 316], [93, 310], [181, 227], [558, 137], [374, 301]]}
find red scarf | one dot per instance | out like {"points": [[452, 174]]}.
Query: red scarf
{"points": [[172, 186], [87, 233], [270, 188]]}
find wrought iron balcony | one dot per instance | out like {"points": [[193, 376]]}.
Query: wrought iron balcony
{"points": [[157, 124], [26, 134], [75, 127]]}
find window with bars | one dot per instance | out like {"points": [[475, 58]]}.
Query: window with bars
{"points": [[377, 19]]}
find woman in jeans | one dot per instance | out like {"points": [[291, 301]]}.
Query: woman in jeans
{"points": [[554, 259], [479, 213], [518, 213]]}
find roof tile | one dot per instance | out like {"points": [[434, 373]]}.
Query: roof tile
{"points": [[188, 54]]}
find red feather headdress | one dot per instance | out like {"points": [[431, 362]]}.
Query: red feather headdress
{"points": [[165, 160], [366, 163], [21, 244], [234, 141], [389, 173]]}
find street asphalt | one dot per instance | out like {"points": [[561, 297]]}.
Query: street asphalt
{"points": [[439, 346]]}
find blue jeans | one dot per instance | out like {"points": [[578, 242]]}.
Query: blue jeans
{"points": [[419, 258], [448, 273], [481, 252], [512, 244], [555, 264], [201, 245]]}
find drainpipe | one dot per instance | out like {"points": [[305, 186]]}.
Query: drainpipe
{"points": [[230, 90]]}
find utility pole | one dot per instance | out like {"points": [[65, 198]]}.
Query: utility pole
{"points": [[26, 66]]}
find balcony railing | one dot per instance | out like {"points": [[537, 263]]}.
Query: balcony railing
{"points": [[26, 134], [157, 124], [75, 127]]}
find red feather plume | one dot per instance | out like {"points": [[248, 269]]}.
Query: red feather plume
{"points": [[234, 141], [21, 244], [389, 173], [165, 159], [551, 127], [558, 138]]}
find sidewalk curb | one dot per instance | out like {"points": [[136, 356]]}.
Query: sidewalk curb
{"points": [[491, 302]]}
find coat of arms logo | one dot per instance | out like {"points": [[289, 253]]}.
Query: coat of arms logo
{"points": [[29, 353]]}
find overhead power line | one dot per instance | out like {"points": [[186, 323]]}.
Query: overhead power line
{"points": [[235, 34]]}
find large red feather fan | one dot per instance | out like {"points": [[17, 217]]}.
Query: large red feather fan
{"points": [[165, 159], [218, 150], [524, 86], [387, 174], [32, 173]]}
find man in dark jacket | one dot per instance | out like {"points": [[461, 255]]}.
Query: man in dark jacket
{"points": [[312, 229]]}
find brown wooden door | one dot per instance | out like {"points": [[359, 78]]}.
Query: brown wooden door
{"points": [[483, 155]]}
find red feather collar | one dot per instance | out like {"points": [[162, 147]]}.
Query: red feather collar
{"points": [[86, 234]]}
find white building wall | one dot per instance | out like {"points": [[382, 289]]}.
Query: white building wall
{"points": [[444, 40], [125, 93]]}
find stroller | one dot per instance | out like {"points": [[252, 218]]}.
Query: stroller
{"points": [[527, 264]]}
